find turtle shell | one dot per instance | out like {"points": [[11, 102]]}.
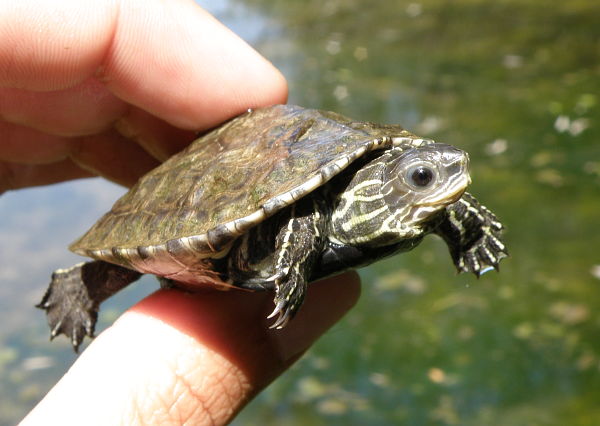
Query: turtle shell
{"points": [[231, 179]]}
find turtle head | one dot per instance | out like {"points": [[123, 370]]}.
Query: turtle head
{"points": [[421, 181], [397, 195]]}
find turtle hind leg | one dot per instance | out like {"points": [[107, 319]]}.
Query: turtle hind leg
{"points": [[74, 296]]}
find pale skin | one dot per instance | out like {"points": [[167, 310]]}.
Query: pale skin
{"points": [[113, 90]]}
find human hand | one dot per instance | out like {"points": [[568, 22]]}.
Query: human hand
{"points": [[112, 91], [112, 88], [178, 358]]}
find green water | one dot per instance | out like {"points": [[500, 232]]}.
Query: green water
{"points": [[516, 84]]}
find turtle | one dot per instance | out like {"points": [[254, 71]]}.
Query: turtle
{"points": [[271, 200]]}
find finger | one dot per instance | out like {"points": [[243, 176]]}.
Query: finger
{"points": [[113, 157], [43, 117], [108, 154], [53, 46], [84, 109], [195, 359], [158, 138], [211, 74], [21, 144], [170, 58], [15, 176]]}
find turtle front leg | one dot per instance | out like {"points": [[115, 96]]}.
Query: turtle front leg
{"points": [[298, 245], [473, 234], [74, 296]]}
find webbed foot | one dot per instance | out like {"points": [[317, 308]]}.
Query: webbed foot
{"points": [[483, 255], [474, 236], [74, 296], [69, 308]]}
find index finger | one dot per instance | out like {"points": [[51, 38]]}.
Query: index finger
{"points": [[171, 59]]}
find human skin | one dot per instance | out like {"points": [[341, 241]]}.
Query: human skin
{"points": [[113, 90]]}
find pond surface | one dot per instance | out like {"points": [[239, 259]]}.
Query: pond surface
{"points": [[514, 83]]}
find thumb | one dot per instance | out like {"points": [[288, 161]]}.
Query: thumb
{"points": [[178, 358]]}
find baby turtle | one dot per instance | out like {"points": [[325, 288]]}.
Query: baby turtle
{"points": [[272, 200]]}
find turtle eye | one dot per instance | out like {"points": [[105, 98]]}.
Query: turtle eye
{"points": [[421, 176]]}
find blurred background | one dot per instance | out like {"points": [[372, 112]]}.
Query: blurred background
{"points": [[514, 83]]}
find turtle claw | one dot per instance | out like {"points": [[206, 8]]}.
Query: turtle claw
{"points": [[480, 258], [278, 308], [289, 297], [261, 284], [282, 320], [283, 313], [485, 256], [56, 330], [276, 277]]}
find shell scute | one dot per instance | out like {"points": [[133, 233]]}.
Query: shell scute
{"points": [[232, 178]]}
